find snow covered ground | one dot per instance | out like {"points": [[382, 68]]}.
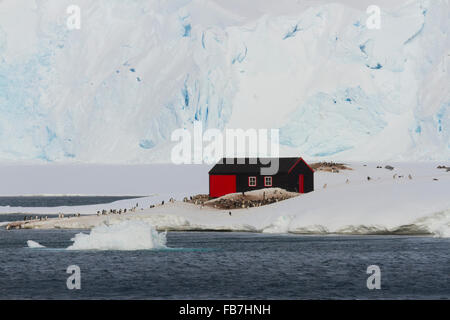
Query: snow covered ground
{"points": [[383, 204]]}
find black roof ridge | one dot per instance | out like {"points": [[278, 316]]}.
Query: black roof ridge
{"points": [[285, 164]]}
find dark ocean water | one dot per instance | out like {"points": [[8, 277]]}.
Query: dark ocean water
{"points": [[212, 265], [57, 201]]}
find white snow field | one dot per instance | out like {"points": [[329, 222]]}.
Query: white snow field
{"points": [[383, 204], [114, 90]]}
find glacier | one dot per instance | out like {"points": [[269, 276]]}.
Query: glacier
{"points": [[113, 91]]}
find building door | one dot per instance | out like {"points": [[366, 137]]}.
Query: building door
{"points": [[220, 185], [301, 181]]}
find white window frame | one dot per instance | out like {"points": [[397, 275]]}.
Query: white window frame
{"points": [[255, 181], [265, 181]]}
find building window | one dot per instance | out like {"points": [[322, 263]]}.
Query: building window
{"points": [[252, 181], [267, 181]]}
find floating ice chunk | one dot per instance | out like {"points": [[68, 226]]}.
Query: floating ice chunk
{"points": [[34, 244], [126, 235]]}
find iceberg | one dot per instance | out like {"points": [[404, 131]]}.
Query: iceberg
{"points": [[126, 235]]}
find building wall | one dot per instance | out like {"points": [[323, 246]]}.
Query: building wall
{"points": [[220, 185], [308, 176], [288, 182], [279, 180]]}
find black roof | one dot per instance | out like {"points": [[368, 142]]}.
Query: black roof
{"points": [[251, 165]]}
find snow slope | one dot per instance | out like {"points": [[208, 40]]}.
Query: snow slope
{"points": [[113, 91], [380, 205]]}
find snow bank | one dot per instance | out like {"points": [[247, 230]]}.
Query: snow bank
{"points": [[438, 224], [389, 203], [127, 235]]}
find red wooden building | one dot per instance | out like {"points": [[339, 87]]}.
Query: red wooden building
{"points": [[230, 176]]}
